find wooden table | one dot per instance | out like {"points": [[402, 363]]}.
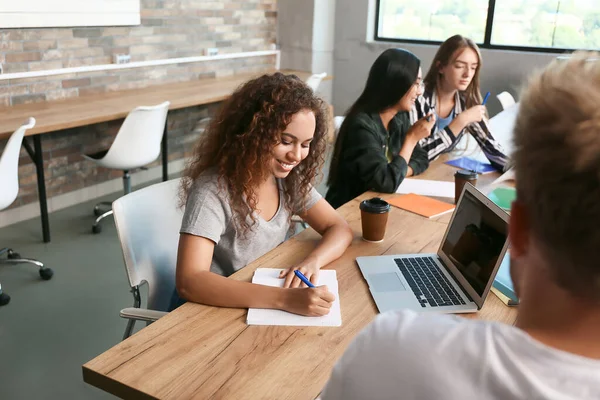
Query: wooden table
{"points": [[207, 352], [87, 110]]}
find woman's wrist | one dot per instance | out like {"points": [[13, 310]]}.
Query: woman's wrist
{"points": [[281, 299], [313, 259]]}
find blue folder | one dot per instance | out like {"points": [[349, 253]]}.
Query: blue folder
{"points": [[471, 165], [503, 283]]}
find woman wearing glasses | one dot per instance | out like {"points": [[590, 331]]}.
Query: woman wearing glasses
{"points": [[452, 92], [377, 147]]}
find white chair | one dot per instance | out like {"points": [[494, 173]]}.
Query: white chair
{"points": [[506, 99], [148, 222], [337, 123], [9, 188], [137, 144], [314, 80]]}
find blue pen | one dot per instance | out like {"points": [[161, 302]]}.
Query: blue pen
{"points": [[485, 98], [303, 278]]}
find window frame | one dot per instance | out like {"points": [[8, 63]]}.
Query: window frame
{"points": [[486, 41]]}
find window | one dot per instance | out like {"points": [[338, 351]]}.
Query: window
{"points": [[547, 25]]}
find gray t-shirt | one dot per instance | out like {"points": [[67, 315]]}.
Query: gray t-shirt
{"points": [[208, 214]]}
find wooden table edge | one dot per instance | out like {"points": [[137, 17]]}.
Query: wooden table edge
{"points": [[109, 385]]}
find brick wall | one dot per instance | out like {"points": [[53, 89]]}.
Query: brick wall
{"points": [[169, 29]]}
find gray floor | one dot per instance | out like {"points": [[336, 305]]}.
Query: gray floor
{"points": [[50, 328]]}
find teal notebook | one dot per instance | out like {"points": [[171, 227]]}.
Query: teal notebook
{"points": [[502, 282], [503, 197]]}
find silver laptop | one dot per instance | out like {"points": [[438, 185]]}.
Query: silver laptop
{"points": [[455, 280]]}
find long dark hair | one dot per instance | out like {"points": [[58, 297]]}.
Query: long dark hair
{"points": [[239, 143], [391, 76], [445, 55]]}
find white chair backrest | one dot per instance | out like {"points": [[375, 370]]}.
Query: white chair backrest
{"points": [[138, 140], [506, 100], [148, 222], [314, 80], [9, 165], [337, 124]]}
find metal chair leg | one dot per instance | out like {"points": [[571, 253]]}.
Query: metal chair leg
{"points": [[126, 182], [96, 228], [102, 207], [14, 258], [137, 302], [4, 298]]}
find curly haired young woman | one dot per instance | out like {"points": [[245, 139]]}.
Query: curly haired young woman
{"points": [[252, 170]]}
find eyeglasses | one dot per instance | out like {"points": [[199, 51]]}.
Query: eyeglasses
{"points": [[420, 85]]}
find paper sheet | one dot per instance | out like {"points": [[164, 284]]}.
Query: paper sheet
{"points": [[427, 188], [507, 176], [270, 277]]}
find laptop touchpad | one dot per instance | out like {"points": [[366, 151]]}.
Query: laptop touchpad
{"points": [[386, 282]]}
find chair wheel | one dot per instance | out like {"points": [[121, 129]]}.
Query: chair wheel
{"points": [[12, 255], [96, 229], [4, 299], [98, 212], [46, 273]]}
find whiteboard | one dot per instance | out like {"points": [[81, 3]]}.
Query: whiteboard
{"points": [[68, 13]]}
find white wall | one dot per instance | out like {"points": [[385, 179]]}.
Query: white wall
{"points": [[354, 54], [305, 34]]}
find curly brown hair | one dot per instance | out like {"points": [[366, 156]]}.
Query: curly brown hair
{"points": [[240, 139]]}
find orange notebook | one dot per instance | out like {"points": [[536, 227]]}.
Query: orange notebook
{"points": [[421, 205]]}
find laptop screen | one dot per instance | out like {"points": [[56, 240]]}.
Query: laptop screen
{"points": [[475, 241]]}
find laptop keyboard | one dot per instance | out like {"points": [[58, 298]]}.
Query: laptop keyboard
{"points": [[428, 283]]}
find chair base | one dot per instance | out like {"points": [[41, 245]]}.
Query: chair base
{"points": [[15, 258], [104, 209], [101, 214]]}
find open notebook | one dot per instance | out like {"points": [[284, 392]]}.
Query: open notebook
{"points": [[270, 277]]}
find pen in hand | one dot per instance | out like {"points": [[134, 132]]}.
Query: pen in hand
{"points": [[485, 98], [301, 276]]}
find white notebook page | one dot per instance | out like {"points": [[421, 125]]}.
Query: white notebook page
{"points": [[270, 277], [426, 187]]}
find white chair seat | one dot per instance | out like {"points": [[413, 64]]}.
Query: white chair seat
{"points": [[9, 189], [137, 144], [314, 80], [138, 141]]}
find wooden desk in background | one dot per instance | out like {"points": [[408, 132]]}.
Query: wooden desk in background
{"points": [[87, 110], [207, 352]]}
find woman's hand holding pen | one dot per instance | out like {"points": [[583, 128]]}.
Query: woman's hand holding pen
{"points": [[473, 114], [422, 128], [310, 301]]}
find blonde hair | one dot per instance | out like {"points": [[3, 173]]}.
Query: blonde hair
{"points": [[557, 164]]}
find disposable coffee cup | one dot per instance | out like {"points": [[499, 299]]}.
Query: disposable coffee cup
{"points": [[460, 178], [374, 215]]}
